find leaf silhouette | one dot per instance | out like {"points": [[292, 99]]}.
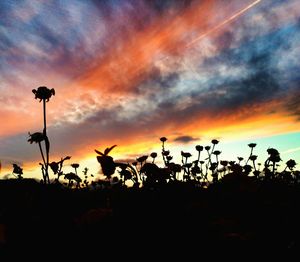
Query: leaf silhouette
{"points": [[99, 153], [107, 150]]}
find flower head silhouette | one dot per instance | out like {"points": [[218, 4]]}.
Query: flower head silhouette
{"points": [[215, 141], [36, 137], [252, 145], [291, 164], [18, 171], [107, 163], [43, 93]]}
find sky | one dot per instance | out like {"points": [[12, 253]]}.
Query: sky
{"points": [[127, 72]]}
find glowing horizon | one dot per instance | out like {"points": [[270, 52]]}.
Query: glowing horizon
{"points": [[129, 73]]}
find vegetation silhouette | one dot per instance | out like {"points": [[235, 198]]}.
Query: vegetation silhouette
{"points": [[43, 93], [202, 203]]}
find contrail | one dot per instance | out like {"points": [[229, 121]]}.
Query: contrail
{"points": [[291, 150], [230, 19]]}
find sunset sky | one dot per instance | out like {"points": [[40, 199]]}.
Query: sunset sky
{"points": [[128, 72]]}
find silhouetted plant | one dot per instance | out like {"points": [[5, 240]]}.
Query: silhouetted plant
{"points": [[224, 163], [153, 155], [128, 172], [75, 166], [107, 163], [165, 153], [253, 158], [38, 138], [57, 167], [252, 146], [240, 159], [73, 177], [274, 157], [290, 164], [142, 160], [43, 93], [185, 165], [17, 171], [199, 149]]}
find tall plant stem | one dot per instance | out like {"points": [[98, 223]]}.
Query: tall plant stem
{"points": [[47, 146]]}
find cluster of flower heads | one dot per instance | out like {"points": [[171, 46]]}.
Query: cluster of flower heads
{"points": [[203, 170]]}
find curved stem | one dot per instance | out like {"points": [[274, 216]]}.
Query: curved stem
{"points": [[41, 150]]}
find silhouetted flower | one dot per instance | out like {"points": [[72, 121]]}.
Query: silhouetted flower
{"points": [[199, 148], [224, 163], [17, 169], [214, 141], [43, 93], [291, 164], [163, 139], [153, 155], [252, 145], [232, 163], [37, 137], [142, 159], [213, 166], [247, 169], [186, 154], [54, 166], [274, 155], [72, 176], [107, 163], [75, 165], [207, 148], [217, 152], [240, 159], [169, 158], [165, 152], [272, 151]]}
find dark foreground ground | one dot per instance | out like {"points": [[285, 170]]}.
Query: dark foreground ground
{"points": [[252, 218]]}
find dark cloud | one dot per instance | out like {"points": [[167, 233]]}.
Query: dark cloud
{"points": [[156, 83], [293, 104], [185, 139], [163, 6]]}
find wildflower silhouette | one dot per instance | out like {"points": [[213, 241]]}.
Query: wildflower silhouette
{"points": [[251, 145], [75, 166], [57, 167], [17, 171], [199, 149], [107, 162], [38, 138], [73, 177], [290, 164], [240, 159], [153, 155], [274, 157], [253, 158], [43, 93]]}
